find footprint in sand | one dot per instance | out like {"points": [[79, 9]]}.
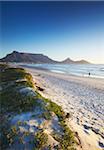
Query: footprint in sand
{"points": [[101, 144]]}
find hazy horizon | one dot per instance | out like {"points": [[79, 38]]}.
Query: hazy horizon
{"points": [[56, 29], [54, 59]]}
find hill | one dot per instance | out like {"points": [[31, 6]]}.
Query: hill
{"points": [[70, 61], [27, 58], [36, 58]]}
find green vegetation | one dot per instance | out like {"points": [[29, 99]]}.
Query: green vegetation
{"points": [[56, 109], [46, 115], [10, 97], [52, 107], [12, 101], [11, 74], [3, 66], [40, 140], [67, 139]]}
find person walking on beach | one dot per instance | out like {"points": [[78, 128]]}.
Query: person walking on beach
{"points": [[89, 73]]}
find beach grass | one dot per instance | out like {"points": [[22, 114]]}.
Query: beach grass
{"points": [[14, 102]]}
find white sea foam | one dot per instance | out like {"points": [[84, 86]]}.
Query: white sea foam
{"points": [[96, 71]]}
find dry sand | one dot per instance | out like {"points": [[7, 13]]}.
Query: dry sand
{"points": [[82, 97]]}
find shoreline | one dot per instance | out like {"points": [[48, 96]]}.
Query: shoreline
{"points": [[70, 76], [84, 121], [63, 72]]}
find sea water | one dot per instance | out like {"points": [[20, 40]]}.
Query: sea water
{"points": [[96, 71]]}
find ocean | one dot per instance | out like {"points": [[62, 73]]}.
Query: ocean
{"points": [[96, 71]]}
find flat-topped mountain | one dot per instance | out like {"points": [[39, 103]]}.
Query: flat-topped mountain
{"points": [[27, 58], [36, 58]]}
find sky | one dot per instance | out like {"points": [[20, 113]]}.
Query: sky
{"points": [[56, 29]]}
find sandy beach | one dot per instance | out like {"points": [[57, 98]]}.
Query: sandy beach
{"points": [[82, 97]]}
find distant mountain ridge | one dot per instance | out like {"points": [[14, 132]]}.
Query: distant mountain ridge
{"points": [[36, 58], [70, 61]]}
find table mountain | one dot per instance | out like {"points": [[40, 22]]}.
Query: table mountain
{"points": [[36, 58]]}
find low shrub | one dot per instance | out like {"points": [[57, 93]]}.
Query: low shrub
{"points": [[40, 140]]}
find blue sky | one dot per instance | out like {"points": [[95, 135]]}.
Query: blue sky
{"points": [[57, 29]]}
